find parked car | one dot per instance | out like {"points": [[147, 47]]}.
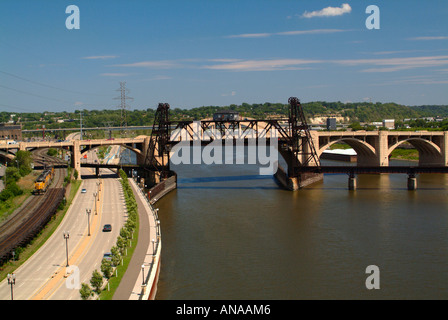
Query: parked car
{"points": [[107, 228], [83, 191]]}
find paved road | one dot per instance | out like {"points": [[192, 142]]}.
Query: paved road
{"points": [[42, 276]]}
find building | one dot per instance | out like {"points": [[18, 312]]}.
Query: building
{"points": [[226, 115], [331, 123], [10, 132], [389, 123]]}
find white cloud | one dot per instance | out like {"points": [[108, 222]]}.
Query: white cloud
{"points": [[251, 35], [329, 11], [428, 38], [286, 33], [162, 64], [280, 64], [114, 74], [99, 57], [396, 64], [263, 65], [157, 78]]}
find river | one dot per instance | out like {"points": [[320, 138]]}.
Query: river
{"points": [[229, 233]]}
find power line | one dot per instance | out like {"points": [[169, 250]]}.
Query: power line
{"points": [[46, 85], [15, 107], [33, 94]]}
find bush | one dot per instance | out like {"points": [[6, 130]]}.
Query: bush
{"points": [[52, 152], [5, 195]]}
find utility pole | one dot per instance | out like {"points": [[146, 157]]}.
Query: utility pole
{"points": [[80, 138], [123, 97]]}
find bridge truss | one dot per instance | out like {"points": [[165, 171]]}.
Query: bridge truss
{"points": [[294, 139]]}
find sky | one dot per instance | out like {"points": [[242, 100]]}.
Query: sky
{"points": [[195, 53]]}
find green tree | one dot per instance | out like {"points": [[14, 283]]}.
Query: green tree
{"points": [[23, 161], [106, 268], [116, 257], [12, 175], [52, 152], [96, 281], [356, 126], [85, 291]]}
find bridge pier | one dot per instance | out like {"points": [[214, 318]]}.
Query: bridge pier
{"points": [[76, 157], [352, 182], [412, 182], [295, 183]]}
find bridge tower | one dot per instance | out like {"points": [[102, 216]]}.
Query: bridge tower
{"points": [[299, 150], [157, 150], [302, 145]]}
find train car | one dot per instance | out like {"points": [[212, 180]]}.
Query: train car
{"points": [[43, 181]]}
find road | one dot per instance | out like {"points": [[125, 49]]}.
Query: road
{"points": [[43, 275]]}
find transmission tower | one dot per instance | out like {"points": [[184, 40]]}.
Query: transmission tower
{"points": [[123, 97]]}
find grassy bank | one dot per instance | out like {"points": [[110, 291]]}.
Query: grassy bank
{"points": [[10, 205]]}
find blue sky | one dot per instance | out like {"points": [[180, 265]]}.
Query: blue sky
{"points": [[215, 52]]}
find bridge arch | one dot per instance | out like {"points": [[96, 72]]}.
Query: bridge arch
{"points": [[366, 153], [430, 154], [6, 156], [91, 147]]}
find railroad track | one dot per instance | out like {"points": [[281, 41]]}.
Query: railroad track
{"points": [[34, 214]]}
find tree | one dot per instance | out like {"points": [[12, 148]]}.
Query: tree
{"points": [[96, 281], [116, 257], [52, 152], [106, 268], [12, 175], [85, 291], [356, 126], [23, 161]]}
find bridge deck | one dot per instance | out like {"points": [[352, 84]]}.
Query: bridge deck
{"points": [[321, 169], [373, 169]]}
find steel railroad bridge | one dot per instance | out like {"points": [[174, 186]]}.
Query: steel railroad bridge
{"points": [[297, 144]]}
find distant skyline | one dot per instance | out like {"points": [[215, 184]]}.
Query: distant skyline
{"points": [[195, 53]]}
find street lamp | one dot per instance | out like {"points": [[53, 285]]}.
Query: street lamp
{"points": [[66, 237], [96, 207], [158, 227], [153, 249], [12, 282], [143, 274], [88, 211]]}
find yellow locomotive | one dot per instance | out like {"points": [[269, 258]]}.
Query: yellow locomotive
{"points": [[43, 181]]}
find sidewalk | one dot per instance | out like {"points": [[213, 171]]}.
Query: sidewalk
{"points": [[130, 287]]}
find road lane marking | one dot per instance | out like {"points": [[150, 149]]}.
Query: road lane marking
{"points": [[53, 283]]}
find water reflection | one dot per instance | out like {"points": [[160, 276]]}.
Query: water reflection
{"points": [[231, 234]]}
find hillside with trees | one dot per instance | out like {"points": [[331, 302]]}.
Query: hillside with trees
{"points": [[353, 111]]}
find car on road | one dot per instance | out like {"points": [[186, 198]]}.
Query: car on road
{"points": [[83, 191], [107, 228], [107, 256]]}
